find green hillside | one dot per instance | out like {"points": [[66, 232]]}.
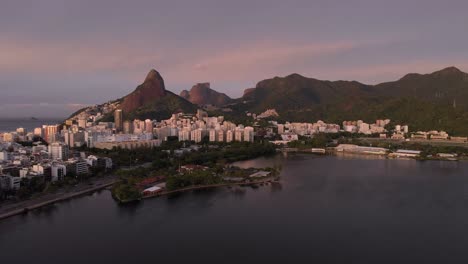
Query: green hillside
{"points": [[445, 86], [432, 101]]}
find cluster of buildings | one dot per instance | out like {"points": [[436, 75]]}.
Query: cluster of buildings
{"points": [[399, 153], [126, 134], [53, 158], [150, 133], [288, 130], [401, 133], [436, 135], [361, 127], [291, 131], [199, 127], [268, 113], [51, 163], [86, 129]]}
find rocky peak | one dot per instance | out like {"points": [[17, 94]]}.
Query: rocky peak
{"points": [[202, 94], [248, 92], [152, 76], [151, 89]]}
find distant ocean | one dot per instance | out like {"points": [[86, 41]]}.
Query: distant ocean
{"points": [[11, 124]]}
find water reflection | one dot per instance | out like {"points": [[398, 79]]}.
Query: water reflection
{"points": [[128, 209], [344, 155], [46, 211], [276, 187], [238, 192]]}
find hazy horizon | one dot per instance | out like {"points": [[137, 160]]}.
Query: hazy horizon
{"points": [[58, 56]]}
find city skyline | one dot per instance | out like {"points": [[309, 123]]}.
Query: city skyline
{"points": [[245, 131], [66, 55]]}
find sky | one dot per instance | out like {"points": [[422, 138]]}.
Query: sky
{"points": [[58, 56]]}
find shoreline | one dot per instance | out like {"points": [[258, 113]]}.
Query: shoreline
{"points": [[377, 155], [40, 202], [212, 186], [67, 196]]}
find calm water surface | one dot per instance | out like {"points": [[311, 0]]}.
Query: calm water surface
{"points": [[326, 210]]}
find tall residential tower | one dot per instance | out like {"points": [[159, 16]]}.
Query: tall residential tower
{"points": [[118, 120]]}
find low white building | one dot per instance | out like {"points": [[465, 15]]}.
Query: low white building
{"points": [[405, 153], [289, 137]]}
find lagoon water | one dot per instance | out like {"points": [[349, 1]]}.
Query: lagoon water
{"points": [[326, 210]]}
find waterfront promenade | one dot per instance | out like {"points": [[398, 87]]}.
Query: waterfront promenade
{"points": [[8, 210]]}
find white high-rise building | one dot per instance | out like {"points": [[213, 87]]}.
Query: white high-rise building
{"points": [[38, 132], [238, 133], [4, 155], [149, 126], [184, 135], [229, 136], [50, 133], [138, 126], [118, 120], [82, 123], [197, 135], [68, 137], [249, 134], [58, 151], [127, 127], [213, 135], [220, 135]]}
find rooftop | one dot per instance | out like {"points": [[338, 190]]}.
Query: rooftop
{"points": [[408, 151], [260, 174], [152, 189]]}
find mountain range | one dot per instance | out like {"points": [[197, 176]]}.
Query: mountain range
{"points": [[438, 100], [202, 94]]}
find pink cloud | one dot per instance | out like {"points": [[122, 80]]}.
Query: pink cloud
{"points": [[389, 72], [250, 62]]}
